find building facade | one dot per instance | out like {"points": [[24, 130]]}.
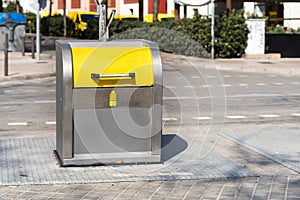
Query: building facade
{"points": [[285, 13]]}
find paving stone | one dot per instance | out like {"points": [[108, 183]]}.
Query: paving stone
{"points": [[210, 197], [177, 195], [295, 192], [42, 169], [210, 192], [108, 198], [62, 195], [158, 198], [293, 198], [90, 198], [193, 196]]}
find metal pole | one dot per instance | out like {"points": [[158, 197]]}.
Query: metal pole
{"points": [[32, 47], [23, 45], [101, 9], [212, 29], [38, 32], [6, 55], [102, 21]]}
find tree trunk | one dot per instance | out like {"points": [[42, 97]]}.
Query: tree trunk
{"points": [[228, 5], [17, 6], [155, 10], [141, 10], [50, 7], [1, 6], [177, 11], [65, 18]]}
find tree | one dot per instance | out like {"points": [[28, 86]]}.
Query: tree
{"points": [[155, 10], [141, 10], [1, 6], [50, 7], [65, 18], [13, 7], [177, 11], [17, 6]]}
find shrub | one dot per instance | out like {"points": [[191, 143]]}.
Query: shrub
{"points": [[31, 22], [116, 27], [54, 26], [167, 40], [12, 7], [231, 34], [186, 36]]}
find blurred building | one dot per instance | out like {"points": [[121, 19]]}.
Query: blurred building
{"points": [[279, 12]]}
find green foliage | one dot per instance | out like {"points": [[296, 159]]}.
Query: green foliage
{"points": [[277, 30], [168, 40], [186, 36], [12, 7], [231, 34], [255, 16], [116, 27], [31, 22], [54, 26], [282, 30]]}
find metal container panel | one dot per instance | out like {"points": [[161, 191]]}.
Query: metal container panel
{"points": [[112, 130], [64, 85]]}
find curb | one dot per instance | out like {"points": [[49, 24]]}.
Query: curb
{"points": [[27, 77]]}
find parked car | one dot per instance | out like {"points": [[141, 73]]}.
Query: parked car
{"points": [[80, 20], [126, 17], [160, 17], [46, 14]]}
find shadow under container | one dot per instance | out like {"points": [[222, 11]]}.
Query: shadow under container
{"points": [[108, 102]]}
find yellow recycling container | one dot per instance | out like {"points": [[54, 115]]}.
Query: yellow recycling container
{"points": [[108, 102]]}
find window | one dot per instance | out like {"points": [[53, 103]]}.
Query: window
{"points": [[60, 4], [93, 6], [111, 3], [131, 1], [75, 4]]}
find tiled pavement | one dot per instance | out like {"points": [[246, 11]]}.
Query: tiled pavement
{"points": [[265, 187], [273, 182]]}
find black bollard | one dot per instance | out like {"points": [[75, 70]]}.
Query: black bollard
{"points": [[6, 55], [32, 47], [23, 45]]}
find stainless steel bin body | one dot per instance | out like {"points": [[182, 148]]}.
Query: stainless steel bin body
{"points": [[109, 102]]}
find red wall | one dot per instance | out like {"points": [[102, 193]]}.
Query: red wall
{"points": [[162, 6], [60, 4], [75, 4], [131, 1], [111, 3], [93, 6]]}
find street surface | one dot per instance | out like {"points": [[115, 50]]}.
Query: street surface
{"points": [[197, 98], [252, 99]]}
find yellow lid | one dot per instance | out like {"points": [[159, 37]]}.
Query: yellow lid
{"points": [[112, 67]]}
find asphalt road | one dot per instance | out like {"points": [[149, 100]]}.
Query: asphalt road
{"points": [[193, 95]]}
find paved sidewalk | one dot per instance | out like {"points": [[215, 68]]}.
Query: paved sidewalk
{"points": [[273, 180], [285, 66], [260, 188], [24, 67]]}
